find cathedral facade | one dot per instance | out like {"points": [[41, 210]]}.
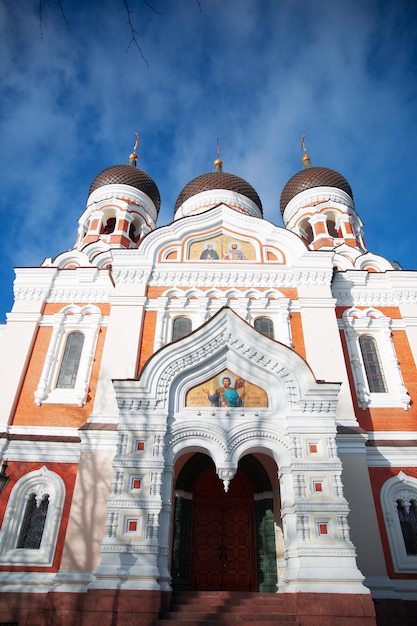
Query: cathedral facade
{"points": [[219, 405]]}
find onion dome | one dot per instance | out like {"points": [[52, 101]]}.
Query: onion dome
{"points": [[128, 175], [309, 178], [218, 180]]}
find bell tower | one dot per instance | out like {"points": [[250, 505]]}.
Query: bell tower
{"points": [[122, 206], [317, 204]]}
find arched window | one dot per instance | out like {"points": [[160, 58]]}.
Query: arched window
{"points": [[70, 361], [32, 519], [33, 522], [375, 367], [132, 232], [181, 327], [306, 232], [372, 364], [331, 227], [399, 505], [109, 226], [265, 326], [407, 514]]}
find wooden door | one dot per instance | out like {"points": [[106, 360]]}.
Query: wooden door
{"points": [[223, 547]]}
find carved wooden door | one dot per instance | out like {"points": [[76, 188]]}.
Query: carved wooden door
{"points": [[223, 550]]}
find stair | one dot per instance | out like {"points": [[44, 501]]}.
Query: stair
{"points": [[212, 608]]}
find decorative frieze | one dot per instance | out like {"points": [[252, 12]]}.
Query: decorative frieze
{"points": [[271, 278]]}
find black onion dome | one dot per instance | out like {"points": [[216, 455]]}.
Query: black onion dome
{"points": [[218, 180], [128, 175], [310, 178]]}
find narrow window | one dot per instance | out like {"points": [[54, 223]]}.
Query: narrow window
{"points": [[109, 226], [372, 364], [70, 361], [132, 230], [331, 227], [407, 514], [306, 232], [265, 326], [33, 523], [181, 327]]}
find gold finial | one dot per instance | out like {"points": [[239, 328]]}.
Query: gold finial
{"points": [[305, 158], [218, 163], [134, 157]]}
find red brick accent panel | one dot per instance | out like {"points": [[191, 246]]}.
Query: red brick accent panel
{"points": [[297, 334]]}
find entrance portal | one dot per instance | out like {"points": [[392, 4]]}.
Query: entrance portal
{"points": [[223, 542]]}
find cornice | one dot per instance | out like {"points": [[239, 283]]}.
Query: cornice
{"points": [[325, 196], [362, 288], [244, 276], [391, 456], [77, 294], [369, 297]]}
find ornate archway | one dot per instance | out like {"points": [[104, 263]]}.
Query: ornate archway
{"points": [[223, 541]]}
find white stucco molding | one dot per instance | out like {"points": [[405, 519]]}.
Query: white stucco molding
{"points": [[40, 483], [87, 320], [326, 197], [227, 341], [123, 196], [371, 322], [205, 200], [363, 288], [33, 283]]}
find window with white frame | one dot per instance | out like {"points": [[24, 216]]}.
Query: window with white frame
{"points": [[372, 364], [399, 505], [265, 326], [181, 327], [375, 367], [31, 523], [67, 368], [67, 376]]}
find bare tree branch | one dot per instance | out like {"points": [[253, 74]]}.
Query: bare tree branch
{"points": [[40, 18], [151, 7], [133, 32], [64, 17]]}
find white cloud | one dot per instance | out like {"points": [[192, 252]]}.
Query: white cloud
{"points": [[257, 74]]}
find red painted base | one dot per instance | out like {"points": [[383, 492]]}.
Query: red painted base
{"points": [[327, 609], [97, 607], [115, 607]]}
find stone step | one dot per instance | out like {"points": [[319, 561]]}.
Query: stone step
{"points": [[249, 616], [277, 621], [244, 609], [231, 598], [189, 608]]}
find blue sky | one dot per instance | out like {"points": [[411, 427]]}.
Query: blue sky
{"points": [[258, 74]]}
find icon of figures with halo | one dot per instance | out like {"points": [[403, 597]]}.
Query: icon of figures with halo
{"points": [[227, 393], [209, 253], [234, 253]]}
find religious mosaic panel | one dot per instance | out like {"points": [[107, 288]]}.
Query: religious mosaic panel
{"points": [[227, 390], [222, 248]]}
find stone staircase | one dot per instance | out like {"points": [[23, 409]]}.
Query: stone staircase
{"points": [[192, 608]]}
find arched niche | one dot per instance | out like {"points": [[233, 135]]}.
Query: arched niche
{"points": [[211, 528]]}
